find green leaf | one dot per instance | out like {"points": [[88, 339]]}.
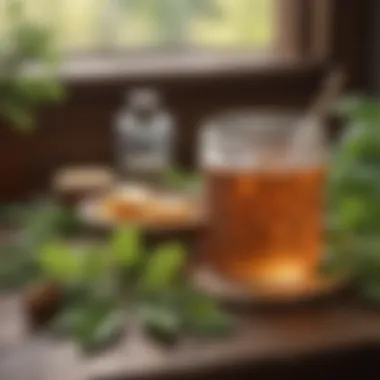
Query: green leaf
{"points": [[359, 107], [17, 264], [162, 268], [46, 220], [60, 262], [353, 212], [126, 246], [19, 116], [102, 331], [65, 324], [335, 262], [93, 326], [370, 289], [204, 317], [37, 89], [161, 322], [82, 294], [97, 264], [364, 253], [90, 315]]}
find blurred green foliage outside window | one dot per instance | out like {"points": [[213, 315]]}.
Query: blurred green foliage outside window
{"points": [[96, 25]]}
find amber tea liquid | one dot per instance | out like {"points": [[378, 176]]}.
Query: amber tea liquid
{"points": [[265, 226]]}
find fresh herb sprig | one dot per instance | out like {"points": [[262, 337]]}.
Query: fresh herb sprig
{"points": [[106, 286]]}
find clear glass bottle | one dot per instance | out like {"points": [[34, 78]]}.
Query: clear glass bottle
{"points": [[144, 136], [264, 176]]}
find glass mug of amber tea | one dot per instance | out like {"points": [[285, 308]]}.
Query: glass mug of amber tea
{"points": [[264, 177]]}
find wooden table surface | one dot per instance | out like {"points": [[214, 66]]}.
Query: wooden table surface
{"points": [[328, 339], [264, 336]]}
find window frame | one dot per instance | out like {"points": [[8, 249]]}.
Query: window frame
{"points": [[304, 28], [346, 40]]}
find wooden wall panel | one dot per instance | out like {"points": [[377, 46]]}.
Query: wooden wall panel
{"points": [[79, 130]]}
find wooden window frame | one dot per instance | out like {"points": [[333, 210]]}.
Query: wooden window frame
{"points": [[310, 33], [314, 36], [331, 33], [304, 30], [296, 41]]}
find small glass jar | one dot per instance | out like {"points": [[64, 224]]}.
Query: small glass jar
{"points": [[144, 133]]}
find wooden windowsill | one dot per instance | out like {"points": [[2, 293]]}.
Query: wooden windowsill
{"points": [[174, 65]]}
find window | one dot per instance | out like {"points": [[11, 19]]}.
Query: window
{"points": [[103, 38], [97, 25]]}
